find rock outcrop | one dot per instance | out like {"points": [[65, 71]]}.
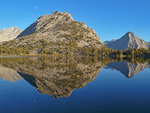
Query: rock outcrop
{"points": [[128, 41], [57, 32], [8, 34]]}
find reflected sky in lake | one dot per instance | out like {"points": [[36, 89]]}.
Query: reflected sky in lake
{"points": [[73, 85]]}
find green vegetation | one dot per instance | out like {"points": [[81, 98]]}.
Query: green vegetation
{"points": [[14, 51], [71, 48], [43, 47], [131, 53]]}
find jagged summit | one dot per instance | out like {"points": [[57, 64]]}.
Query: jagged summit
{"points": [[130, 34], [128, 41], [8, 34], [47, 22], [55, 12], [59, 13]]}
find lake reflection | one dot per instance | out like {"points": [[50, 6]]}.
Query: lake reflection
{"points": [[129, 69], [85, 85], [57, 77]]}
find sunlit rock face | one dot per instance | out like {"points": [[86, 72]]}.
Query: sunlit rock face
{"points": [[127, 68], [128, 41], [51, 27], [57, 31], [8, 34]]}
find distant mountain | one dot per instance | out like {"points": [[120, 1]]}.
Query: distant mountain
{"points": [[8, 34], [128, 41], [107, 42], [127, 68], [57, 32]]}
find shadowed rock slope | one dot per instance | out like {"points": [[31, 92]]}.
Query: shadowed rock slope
{"points": [[128, 41]]}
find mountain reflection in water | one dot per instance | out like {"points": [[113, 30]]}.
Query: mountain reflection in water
{"points": [[59, 76], [129, 69]]}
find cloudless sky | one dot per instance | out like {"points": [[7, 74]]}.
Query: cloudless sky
{"points": [[109, 18]]}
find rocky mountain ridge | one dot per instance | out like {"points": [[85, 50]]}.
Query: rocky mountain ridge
{"points": [[107, 42], [128, 41], [8, 34], [57, 33]]}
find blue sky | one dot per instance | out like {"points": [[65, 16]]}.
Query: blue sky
{"points": [[109, 18]]}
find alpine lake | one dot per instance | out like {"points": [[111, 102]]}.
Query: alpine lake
{"points": [[74, 85]]}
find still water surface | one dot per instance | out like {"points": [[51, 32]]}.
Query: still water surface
{"points": [[47, 85]]}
